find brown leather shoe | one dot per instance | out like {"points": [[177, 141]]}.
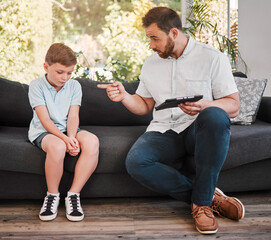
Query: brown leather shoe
{"points": [[205, 220], [228, 206]]}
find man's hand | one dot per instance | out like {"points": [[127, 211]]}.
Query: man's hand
{"points": [[192, 108], [115, 91]]}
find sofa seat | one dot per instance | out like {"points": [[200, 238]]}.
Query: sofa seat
{"points": [[115, 143]]}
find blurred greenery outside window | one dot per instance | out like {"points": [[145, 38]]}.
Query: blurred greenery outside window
{"points": [[106, 35]]}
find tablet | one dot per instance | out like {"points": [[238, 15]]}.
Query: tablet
{"points": [[174, 102]]}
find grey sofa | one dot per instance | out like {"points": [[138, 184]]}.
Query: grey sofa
{"points": [[247, 166]]}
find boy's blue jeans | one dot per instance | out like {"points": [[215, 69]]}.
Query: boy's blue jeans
{"points": [[149, 160]]}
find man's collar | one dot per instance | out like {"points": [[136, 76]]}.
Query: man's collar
{"points": [[189, 46]]}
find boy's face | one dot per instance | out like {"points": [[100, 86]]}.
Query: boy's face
{"points": [[58, 74]]}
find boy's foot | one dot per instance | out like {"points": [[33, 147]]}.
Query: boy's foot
{"points": [[48, 210], [74, 211], [228, 206], [205, 220]]}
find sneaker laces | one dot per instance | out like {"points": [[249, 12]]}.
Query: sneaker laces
{"points": [[74, 203], [199, 210], [50, 200]]}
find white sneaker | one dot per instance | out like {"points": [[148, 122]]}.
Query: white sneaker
{"points": [[74, 211], [48, 210]]}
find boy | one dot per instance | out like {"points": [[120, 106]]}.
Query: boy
{"points": [[55, 99]]}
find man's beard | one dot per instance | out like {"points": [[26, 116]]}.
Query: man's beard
{"points": [[168, 49]]}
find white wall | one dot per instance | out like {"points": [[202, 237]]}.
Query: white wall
{"points": [[254, 38]]}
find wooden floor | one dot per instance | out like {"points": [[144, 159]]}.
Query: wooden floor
{"points": [[133, 218]]}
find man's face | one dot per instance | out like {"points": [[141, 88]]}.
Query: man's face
{"points": [[58, 74], [160, 42]]}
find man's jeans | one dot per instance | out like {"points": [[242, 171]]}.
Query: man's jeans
{"points": [[150, 159]]}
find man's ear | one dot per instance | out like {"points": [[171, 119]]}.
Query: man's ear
{"points": [[45, 66], [174, 32]]}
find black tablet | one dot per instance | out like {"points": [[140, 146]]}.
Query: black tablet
{"points": [[174, 102]]}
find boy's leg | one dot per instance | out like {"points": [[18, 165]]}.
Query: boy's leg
{"points": [[88, 160], [55, 150], [85, 166]]}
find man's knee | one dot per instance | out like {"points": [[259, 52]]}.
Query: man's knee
{"points": [[132, 162], [215, 118], [136, 162]]}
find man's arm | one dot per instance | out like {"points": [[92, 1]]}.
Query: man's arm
{"points": [[230, 103], [134, 103]]}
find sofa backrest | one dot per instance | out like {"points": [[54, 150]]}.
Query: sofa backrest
{"points": [[96, 108], [15, 109]]}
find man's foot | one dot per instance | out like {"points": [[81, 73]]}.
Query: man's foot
{"points": [[74, 211], [205, 220], [228, 206], [48, 210]]}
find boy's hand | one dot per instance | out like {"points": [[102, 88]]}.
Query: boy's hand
{"points": [[72, 146], [116, 92], [76, 150]]}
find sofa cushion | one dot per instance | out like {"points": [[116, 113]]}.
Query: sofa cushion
{"points": [[98, 109], [248, 144], [14, 104], [115, 143], [17, 154], [250, 93]]}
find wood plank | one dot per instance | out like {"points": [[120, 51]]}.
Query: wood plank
{"points": [[132, 218]]}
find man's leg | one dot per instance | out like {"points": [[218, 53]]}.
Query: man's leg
{"points": [[208, 138], [149, 162]]}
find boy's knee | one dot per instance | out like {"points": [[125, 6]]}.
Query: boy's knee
{"points": [[58, 149], [89, 141]]}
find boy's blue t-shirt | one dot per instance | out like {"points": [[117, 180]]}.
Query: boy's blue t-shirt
{"points": [[57, 103]]}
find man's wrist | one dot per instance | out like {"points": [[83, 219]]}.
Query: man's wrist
{"points": [[125, 96]]}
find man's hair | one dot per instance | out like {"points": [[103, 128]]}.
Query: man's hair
{"points": [[164, 17], [60, 53]]}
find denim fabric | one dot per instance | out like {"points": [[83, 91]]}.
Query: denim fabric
{"points": [[151, 158]]}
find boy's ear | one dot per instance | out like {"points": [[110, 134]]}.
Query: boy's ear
{"points": [[45, 66]]}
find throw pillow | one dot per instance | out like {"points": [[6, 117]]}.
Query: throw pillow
{"points": [[250, 93]]}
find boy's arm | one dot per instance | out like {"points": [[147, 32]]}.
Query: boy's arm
{"points": [[48, 124], [73, 121], [72, 127]]}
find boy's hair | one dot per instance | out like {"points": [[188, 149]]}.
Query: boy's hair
{"points": [[164, 17], [60, 53]]}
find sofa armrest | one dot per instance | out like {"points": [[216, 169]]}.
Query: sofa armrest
{"points": [[264, 112]]}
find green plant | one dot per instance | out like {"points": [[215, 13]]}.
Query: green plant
{"points": [[199, 24], [113, 71]]}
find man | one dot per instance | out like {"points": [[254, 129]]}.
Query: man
{"points": [[183, 67]]}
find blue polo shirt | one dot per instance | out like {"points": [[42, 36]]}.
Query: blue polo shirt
{"points": [[57, 103]]}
